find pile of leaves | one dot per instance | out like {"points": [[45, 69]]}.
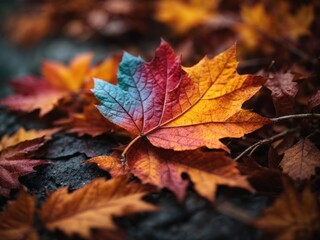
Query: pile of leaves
{"points": [[158, 127]]}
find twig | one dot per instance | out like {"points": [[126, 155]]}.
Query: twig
{"points": [[265, 141], [234, 212], [303, 115]]}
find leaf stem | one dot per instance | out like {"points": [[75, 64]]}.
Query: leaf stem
{"points": [[123, 154], [302, 115], [253, 147]]}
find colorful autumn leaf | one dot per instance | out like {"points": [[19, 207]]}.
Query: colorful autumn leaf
{"points": [[33, 94], [180, 109], [301, 160], [182, 16], [283, 91], [58, 83], [16, 222], [294, 215], [93, 206], [164, 168]]}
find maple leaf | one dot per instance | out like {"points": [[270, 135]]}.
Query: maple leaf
{"points": [[180, 109], [58, 83], [293, 215], [16, 222], [283, 92], [301, 160], [164, 168], [16, 152], [15, 162], [185, 15], [32, 94], [111, 163], [93, 206]]}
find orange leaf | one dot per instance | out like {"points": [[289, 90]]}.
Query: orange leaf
{"points": [[111, 163], [293, 215], [68, 78], [163, 168], [301, 160], [16, 222], [93, 206]]}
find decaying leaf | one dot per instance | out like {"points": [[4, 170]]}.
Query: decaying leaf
{"points": [[111, 163], [16, 222], [164, 168], [180, 109], [93, 206], [294, 215], [185, 15], [283, 91], [301, 160]]}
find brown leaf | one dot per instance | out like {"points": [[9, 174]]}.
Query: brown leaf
{"points": [[163, 168], [301, 160], [314, 101], [283, 92], [294, 215], [93, 206], [16, 222]]}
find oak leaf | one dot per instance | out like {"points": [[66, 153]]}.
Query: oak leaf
{"points": [[301, 160], [283, 91], [182, 16], [164, 168], [180, 109], [294, 215], [93, 206], [16, 222]]}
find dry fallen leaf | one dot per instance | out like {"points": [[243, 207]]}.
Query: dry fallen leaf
{"points": [[301, 160], [93, 206], [16, 222], [15, 161], [164, 168], [283, 91], [294, 215], [180, 109]]}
